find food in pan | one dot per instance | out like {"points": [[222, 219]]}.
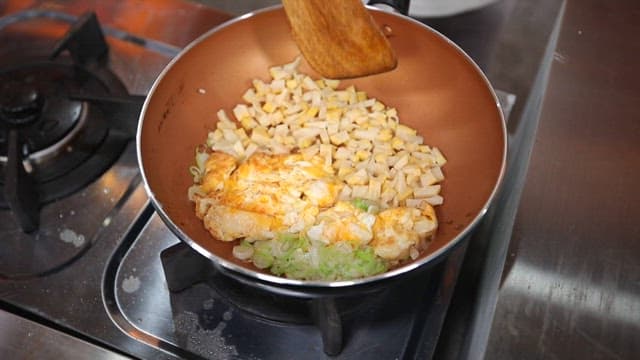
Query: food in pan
{"points": [[316, 182]]}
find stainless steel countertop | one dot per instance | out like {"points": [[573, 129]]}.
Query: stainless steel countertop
{"points": [[21, 338], [571, 285]]}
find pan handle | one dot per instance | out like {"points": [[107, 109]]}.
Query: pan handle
{"points": [[401, 6]]}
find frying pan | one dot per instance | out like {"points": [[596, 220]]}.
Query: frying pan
{"points": [[436, 88]]}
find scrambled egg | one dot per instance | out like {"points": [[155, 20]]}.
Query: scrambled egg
{"points": [[264, 195], [343, 222], [270, 194], [398, 230]]}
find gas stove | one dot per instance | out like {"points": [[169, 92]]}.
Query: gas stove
{"points": [[153, 288], [82, 252], [65, 120]]}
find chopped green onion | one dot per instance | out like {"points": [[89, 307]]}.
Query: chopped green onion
{"points": [[198, 169], [365, 205], [296, 257], [243, 251], [361, 204], [262, 257]]}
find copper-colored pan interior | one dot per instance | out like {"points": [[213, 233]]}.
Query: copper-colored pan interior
{"points": [[435, 88]]}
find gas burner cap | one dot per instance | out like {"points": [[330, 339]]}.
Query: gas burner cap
{"points": [[36, 101], [66, 136], [20, 104]]}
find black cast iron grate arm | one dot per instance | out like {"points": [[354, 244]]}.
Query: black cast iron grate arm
{"points": [[19, 187], [84, 41], [122, 111], [87, 47]]}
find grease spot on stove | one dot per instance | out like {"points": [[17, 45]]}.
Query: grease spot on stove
{"points": [[208, 343], [131, 284], [70, 236], [208, 304]]}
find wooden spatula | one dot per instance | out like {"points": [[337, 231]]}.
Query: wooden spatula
{"points": [[339, 38]]}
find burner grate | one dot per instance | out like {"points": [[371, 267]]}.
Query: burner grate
{"points": [[330, 314], [63, 121]]}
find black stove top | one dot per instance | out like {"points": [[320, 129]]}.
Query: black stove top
{"points": [[57, 135], [97, 263], [182, 302]]}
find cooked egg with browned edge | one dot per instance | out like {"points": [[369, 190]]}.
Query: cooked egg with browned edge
{"points": [[316, 182]]}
